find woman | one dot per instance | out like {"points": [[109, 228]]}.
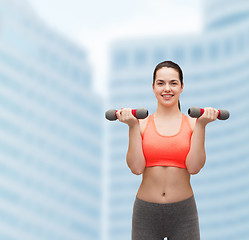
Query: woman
{"points": [[166, 147]]}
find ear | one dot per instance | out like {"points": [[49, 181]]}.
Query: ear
{"points": [[153, 87], [182, 87]]}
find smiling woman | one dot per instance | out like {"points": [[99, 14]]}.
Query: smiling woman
{"points": [[166, 147], [168, 81]]}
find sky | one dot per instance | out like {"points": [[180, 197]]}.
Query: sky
{"points": [[94, 24]]}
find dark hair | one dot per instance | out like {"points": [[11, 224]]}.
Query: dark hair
{"points": [[169, 64]]}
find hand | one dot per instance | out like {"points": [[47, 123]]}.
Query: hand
{"points": [[124, 115], [209, 115]]}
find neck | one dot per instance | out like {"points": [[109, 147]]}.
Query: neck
{"points": [[167, 112]]}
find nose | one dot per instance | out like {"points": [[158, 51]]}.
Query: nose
{"points": [[167, 87]]}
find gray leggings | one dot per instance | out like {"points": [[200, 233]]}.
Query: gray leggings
{"points": [[155, 221]]}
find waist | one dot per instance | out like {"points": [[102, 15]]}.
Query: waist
{"points": [[165, 184]]}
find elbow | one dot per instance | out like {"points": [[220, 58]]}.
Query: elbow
{"points": [[194, 166], [137, 171], [137, 167], [194, 171]]}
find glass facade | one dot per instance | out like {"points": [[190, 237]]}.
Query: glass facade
{"points": [[50, 133]]}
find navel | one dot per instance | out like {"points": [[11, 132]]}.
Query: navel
{"points": [[163, 194]]}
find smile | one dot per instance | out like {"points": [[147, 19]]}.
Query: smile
{"points": [[167, 95]]}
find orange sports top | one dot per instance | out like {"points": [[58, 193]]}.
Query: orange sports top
{"points": [[162, 150]]}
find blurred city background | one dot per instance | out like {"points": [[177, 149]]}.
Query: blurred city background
{"points": [[63, 173]]}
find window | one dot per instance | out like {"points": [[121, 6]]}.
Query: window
{"points": [[228, 47], [197, 53], [159, 55], [178, 54], [120, 60], [213, 50], [140, 58]]}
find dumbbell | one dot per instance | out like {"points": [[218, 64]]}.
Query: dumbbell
{"points": [[139, 113], [196, 112]]}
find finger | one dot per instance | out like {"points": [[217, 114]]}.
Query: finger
{"points": [[127, 113], [122, 114], [213, 114], [216, 113], [206, 112], [210, 113], [119, 115]]}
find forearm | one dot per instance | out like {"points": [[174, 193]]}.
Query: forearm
{"points": [[135, 157], [197, 157]]}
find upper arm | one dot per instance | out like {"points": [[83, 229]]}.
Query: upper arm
{"points": [[142, 124], [192, 122]]}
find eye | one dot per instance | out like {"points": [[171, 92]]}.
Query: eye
{"points": [[174, 83]]}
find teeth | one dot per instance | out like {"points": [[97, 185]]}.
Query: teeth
{"points": [[167, 95]]}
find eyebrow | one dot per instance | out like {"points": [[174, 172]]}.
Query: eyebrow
{"points": [[173, 80]]}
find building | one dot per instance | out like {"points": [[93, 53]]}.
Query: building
{"points": [[215, 64], [50, 136]]}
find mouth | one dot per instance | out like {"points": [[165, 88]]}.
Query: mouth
{"points": [[167, 96]]}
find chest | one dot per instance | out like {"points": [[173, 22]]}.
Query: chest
{"points": [[167, 128]]}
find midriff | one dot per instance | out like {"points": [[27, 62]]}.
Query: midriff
{"points": [[162, 184]]}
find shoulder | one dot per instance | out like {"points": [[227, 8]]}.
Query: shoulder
{"points": [[192, 122], [142, 124]]}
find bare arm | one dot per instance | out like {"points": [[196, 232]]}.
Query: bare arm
{"points": [[135, 157], [196, 158]]}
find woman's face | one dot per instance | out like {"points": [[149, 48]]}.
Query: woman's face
{"points": [[167, 87]]}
